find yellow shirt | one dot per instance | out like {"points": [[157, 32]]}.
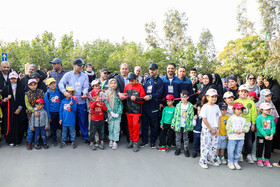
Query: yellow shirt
{"points": [[223, 130]]}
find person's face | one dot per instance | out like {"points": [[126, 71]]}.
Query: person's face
{"points": [[212, 99], [252, 79], [104, 75], [238, 111], [193, 80], [13, 80], [243, 94], [184, 98], [266, 111], [96, 97], [70, 92], [267, 98], [200, 78], [260, 81], [153, 73], [170, 70], [52, 86], [39, 106], [229, 100], [251, 98], [169, 102], [124, 70], [266, 83], [31, 70], [113, 85], [5, 68], [232, 84], [193, 73], [225, 84], [33, 86], [89, 68], [224, 112], [37, 79], [205, 79], [96, 87], [78, 68], [137, 71], [132, 82], [181, 73], [56, 66]]}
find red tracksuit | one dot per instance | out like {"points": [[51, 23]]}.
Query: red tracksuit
{"points": [[134, 109]]}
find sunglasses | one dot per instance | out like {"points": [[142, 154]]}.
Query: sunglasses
{"points": [[252, 78]]}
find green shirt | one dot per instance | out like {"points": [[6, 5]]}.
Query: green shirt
{"points": [[250, 111], [167, 115], [265, 126]]}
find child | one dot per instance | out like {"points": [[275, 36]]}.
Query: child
{"points": [[52, 103], [98, 108], [40, 124], [265, 131], [222, 140], [136, 94], [197, 121], [250, 113], [229, 98], [210, 114], [253, 96], [67, 116], [165, 123], [30, 98], [236, 127], [182, 122]]}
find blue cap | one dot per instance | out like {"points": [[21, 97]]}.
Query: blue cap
{"points": [[131, 76], [56, 60], [153, 66]]}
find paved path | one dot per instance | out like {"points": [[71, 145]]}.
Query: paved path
{"points": [[122, 167]]}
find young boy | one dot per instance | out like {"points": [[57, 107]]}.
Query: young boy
{"points": [[222, 139], [40, 124], [197, 123], [253, 96], [136, 94], [98, 108], [165, 123], [182, 122], [229, 98], [52, 103], [67, 118], [30, 98]]}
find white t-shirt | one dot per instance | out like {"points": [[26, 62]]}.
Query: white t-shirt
{"points": [[184, 108], [212, 114], [230, 111]]}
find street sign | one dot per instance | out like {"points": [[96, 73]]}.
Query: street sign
{"points": [[4, 57]]}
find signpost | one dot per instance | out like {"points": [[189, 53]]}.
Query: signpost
{"points": [[4, 57]]}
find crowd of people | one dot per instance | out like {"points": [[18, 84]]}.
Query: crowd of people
{"points": [[217, 114]]}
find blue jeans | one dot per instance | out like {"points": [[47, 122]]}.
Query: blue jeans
{"points": [[82, 120], [29, 136], [40, 132], [196, 141], [234, 149], [65, 132]]}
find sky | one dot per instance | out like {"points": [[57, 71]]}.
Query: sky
{"points": [[116, 19]]}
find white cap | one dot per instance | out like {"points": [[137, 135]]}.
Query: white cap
{"points": [[265, 92], [211, 92], [266, 106], [228, 94], [243, 87], [32, 80], [13, 75], [94, 82]]}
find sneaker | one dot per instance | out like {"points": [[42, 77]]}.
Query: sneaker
{"points": [[268, 164], [46, 146], [29, 146], [167, 149], [203, 165], [130, 145], [241, 158], [86, 142], [143, 144], [73, 145], [114, 146], [177, 152], [231, 166], [194, 154], [187, 153], [254, 158], [11, 145], [101, 146], [153, 146], [92, 147], [217, 159], [173, 145], [54, 143], [276, 165], [111, 144], [260, 163], [135, 147], [37, 146], [213, 163], [249, 159], [161, 148], [63, 144], [223, 160], [237, 166]]}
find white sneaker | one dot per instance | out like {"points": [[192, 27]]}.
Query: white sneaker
{"points": [[111, 143], [217, 159], [241, 158], [203, 165], [114, 146], [213, 163], [231, 166], [223, 160], [254, 158], [249, 159], [237, 166]]}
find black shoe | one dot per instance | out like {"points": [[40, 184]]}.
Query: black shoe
{"points": [[37, 146], [46, 146], [194, 154], [153, 146], [143, 144], [130, 145], [177, 152], [73, 145], [86, 142], [135, 147], [187, 153], [63, 144]]}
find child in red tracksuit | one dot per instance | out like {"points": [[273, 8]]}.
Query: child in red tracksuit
{"points": [[135, 93], [98, 108]]}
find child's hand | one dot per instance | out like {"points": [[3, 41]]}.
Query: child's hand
{"points": [[161, 127], [238, 132], [195, 117], [98, 104], [9, 96], [253, 127], [46, 128], [271, 137], [71, 103], [213, 131], [217, 132], [32, 129], [17, 111], [160, 106], [172, 127], [5, 100], [133, 98], [37, 114], [60, 122], [50, 120], [244, 131], [267, 137], [184, 115]]}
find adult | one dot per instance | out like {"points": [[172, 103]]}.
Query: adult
{"points": [[186, 83], [200, 81], [104, 74], [137, 71], [260, 82], [225, 84], [194, 87], [79, 81], [193, 72], [4, 74], [251, 83], [219, 86], [57, 72], [41, 84], [233, 85], [153, 87], [207, 84], [90, 73], [274, 87]]}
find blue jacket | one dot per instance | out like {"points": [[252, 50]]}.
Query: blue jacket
{"points": [[175, 84], [153, 87], [52, 101], [198, 125], [186, 84], [68, 113]]}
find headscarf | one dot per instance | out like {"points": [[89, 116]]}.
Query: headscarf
{"points": [[111, 93], [253, 87], [205, 88], [273, 112]]}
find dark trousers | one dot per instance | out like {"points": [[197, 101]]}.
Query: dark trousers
{"points": [[96, 126], [54, 124], [152, 123], [196, 141], [248, 143], [166, 135], [261, 142], [40, 132]]}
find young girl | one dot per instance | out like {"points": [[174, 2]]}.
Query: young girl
{"points": [[229, 98], [250, 113], [266, 130], [236, 127], [114, 110], [210, 114]]}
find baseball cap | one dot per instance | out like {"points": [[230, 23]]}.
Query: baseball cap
{"points": [[243, 87], [94, 92], [40, 100], [78, 61], [252, 93], [153, 66], [223, 106], [50, 80], [104, 70], [36, 74], [131, 76], [265, 92], [233, 77], [238, 105], [211, 92], [94, 82], [32, 80], [56, 60], [70, 88], [13, 75], [169, 97], [228, 94], [266, 106]]}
